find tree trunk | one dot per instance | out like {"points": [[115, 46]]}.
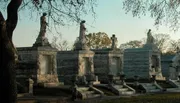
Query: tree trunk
{"points": [[8, 92], [7, 80]]}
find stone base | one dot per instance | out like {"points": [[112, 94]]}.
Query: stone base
{"points": [[48, 78]]}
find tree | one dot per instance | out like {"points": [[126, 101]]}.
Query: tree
{"points": [[162, 41], [163, 11], [58, 12], [131, 44], [96, 40], [173, 46], [59, 43]]}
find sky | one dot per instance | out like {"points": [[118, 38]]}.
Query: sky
{"points": [[110, 18]]}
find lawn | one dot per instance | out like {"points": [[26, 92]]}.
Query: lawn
{"points": [[148, 98]]}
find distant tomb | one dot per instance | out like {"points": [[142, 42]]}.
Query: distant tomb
{"points": [[143, 62], [108, 61], [79, 61], [166, 60], [174, 69]]}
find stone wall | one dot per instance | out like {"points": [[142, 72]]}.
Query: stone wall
{"points": [[136, 63], [31, 64], [70, 63], [107, 62], [166, 60], [67, 64]]}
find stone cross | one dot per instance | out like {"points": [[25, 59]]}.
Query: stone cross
{"points": [[82, 31], [150, 38], [114, 40]]}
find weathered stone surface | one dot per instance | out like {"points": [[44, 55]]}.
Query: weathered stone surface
{"points": [[166, 61], [38, 63], [174, 69], [143, 62], [107, 61], [74, 62]]}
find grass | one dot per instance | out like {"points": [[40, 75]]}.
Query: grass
{"points": [[148, 98]]}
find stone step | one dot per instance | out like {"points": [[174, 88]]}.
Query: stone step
{"points": [[93, 95], [154, 90], [151, 87], [118, 86], [126, 92], [83, 89], [89, 92], [147, 84], [123, 89]]}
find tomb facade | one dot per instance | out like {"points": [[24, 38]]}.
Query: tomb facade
{"points": [[143, 62]]}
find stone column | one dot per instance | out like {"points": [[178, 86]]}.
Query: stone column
{"points": [[31, 82], [136, 80], [154, 79], [110, 77], [74, 87]]}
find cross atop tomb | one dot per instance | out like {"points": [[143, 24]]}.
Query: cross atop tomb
{"points": [[114, 40]]}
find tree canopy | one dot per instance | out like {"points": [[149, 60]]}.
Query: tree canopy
{"points": [[163, 11], [97, 40]]}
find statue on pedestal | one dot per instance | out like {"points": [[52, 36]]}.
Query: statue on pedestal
{"points": [[114, 40], [43, 24], [82, 31], [41, 39], [81, 44], [150, 38]]}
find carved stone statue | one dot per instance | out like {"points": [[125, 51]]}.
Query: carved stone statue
{"points": [[150, 38], [41, 39], [82, 31], [114, 40], [43, 24]]}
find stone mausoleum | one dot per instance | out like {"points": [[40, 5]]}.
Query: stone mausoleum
{"points": [[39, 61], [78, 62], [143, 62], [108, 61]]}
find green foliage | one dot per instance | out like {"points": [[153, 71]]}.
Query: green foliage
{"points": [[98, 40]]}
